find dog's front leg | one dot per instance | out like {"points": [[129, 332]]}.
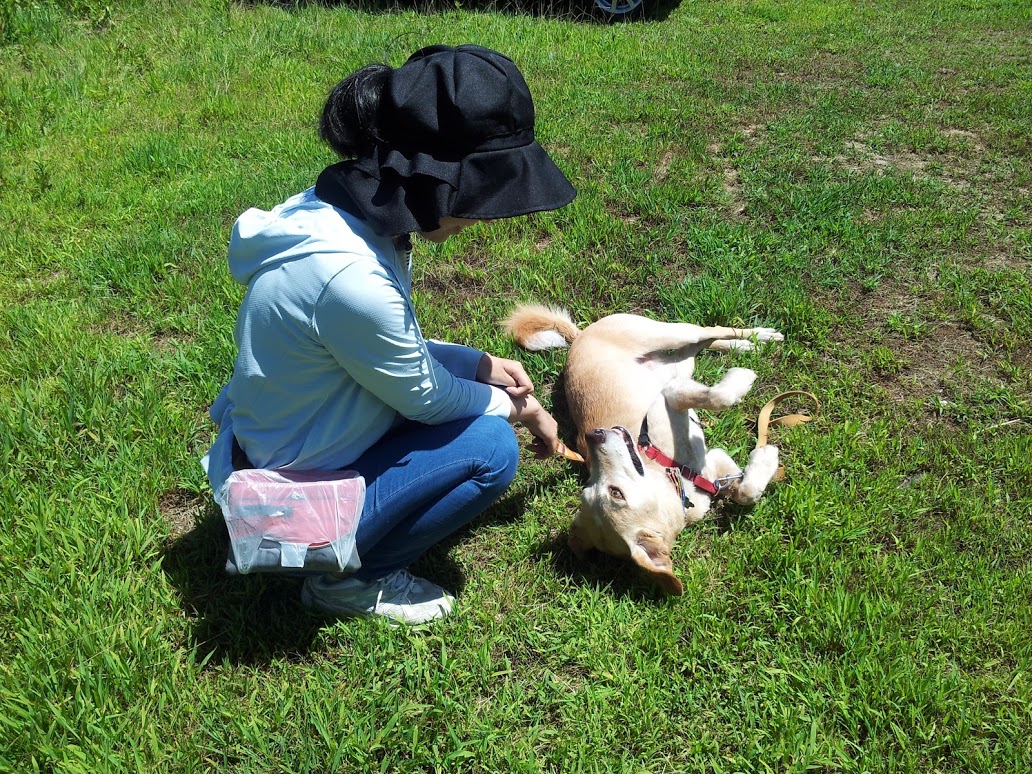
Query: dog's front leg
{"points": [[758, 473], [684, 394]]}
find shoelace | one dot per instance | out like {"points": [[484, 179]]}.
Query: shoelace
{"points": [[400, 581]]}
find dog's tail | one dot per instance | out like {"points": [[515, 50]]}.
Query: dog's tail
{"points": [[536, 327]]}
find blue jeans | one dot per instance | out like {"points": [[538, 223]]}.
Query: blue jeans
{"points": [[423, 482]]}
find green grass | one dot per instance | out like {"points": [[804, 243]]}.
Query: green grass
{"points": [[856, 174]]}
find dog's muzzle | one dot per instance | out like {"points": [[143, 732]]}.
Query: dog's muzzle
{"points": [[598, 435]]}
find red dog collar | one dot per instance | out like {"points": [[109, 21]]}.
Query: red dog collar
{"points": [[692, 476]]}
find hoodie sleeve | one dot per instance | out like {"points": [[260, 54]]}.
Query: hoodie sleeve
{"points": [[461, 360], [365, 321]]}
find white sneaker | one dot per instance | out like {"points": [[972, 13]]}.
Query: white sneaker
{"points": [[400, 596]]}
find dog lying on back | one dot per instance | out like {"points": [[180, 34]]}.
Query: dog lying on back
{"points": [[631, 395]]}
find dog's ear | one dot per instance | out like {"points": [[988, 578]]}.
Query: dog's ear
{"points": [[651, 554]]}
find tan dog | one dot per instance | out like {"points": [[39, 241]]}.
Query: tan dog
{"points": [[627, 375]]}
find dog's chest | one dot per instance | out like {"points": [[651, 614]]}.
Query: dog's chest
{"points": [[678, 434]]}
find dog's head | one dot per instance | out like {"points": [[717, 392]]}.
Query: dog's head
{"points": [[629, 507]]}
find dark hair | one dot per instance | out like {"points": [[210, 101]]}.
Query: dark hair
{"points": [[350, 116]]}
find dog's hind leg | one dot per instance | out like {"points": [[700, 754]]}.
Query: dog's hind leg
{"points": [[759, 470], [743, 339], [719, 465], [648, 335], [728, 345]]}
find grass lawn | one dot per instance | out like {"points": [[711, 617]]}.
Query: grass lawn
{"points": [[856, 174]]}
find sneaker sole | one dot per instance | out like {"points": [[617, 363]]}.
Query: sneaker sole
{"points": [[309, 601]]}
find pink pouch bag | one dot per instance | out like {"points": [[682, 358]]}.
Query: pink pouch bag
{"points": [[284, 520]]}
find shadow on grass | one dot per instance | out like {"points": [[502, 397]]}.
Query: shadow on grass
{"points": [[246, 619], [620, 576], [604, 573], [582, 11], [561, 412], [436, 565], [725, 516], [253, 619]]}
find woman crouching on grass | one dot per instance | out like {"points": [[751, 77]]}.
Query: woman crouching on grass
{"points": [[333, 371]]}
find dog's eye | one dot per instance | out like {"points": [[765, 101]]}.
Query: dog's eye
{"points": [[616, 493]]}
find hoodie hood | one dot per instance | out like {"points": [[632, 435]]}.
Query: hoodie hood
{"points": [[302, 226]]}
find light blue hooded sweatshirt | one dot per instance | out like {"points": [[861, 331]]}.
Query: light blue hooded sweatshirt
{"points": [[330, 355]]}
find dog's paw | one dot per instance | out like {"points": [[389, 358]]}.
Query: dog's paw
{"points": [[732, 388], [764, 461], [763, 335], [738, 380], [736, 345], [761, 468]]}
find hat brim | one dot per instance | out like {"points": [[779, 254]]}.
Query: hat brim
{"points": [[509, 183], [398, 195]]}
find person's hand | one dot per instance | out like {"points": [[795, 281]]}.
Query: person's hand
{"points": [[506, 374], [528, 412]]}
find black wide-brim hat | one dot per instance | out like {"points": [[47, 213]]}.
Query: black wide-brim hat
{"points": [[457, 130]]}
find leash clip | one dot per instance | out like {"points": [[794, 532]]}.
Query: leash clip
{"points": [[724, 482]]}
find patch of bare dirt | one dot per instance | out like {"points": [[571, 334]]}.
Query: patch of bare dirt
{"points": [[733, 188], [464, 278], [180, 509], [827, 69], [928, 363], [858, 156], [25, 289], [963, 161], [662, 168], [126, 326], [980, 179], [752, 134], [935, 356], [995, 260]]}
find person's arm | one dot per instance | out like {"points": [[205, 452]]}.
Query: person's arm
{"points": [[509, 375], [461, 360], [527, 411], [366, 323]]}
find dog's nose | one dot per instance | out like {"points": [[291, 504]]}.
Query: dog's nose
{"points": [[598, 435]]}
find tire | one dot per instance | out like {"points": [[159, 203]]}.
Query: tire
{"points": [[619, 9]]}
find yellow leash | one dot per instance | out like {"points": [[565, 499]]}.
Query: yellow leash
{"points": [[763, 425], [764, 421]]}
